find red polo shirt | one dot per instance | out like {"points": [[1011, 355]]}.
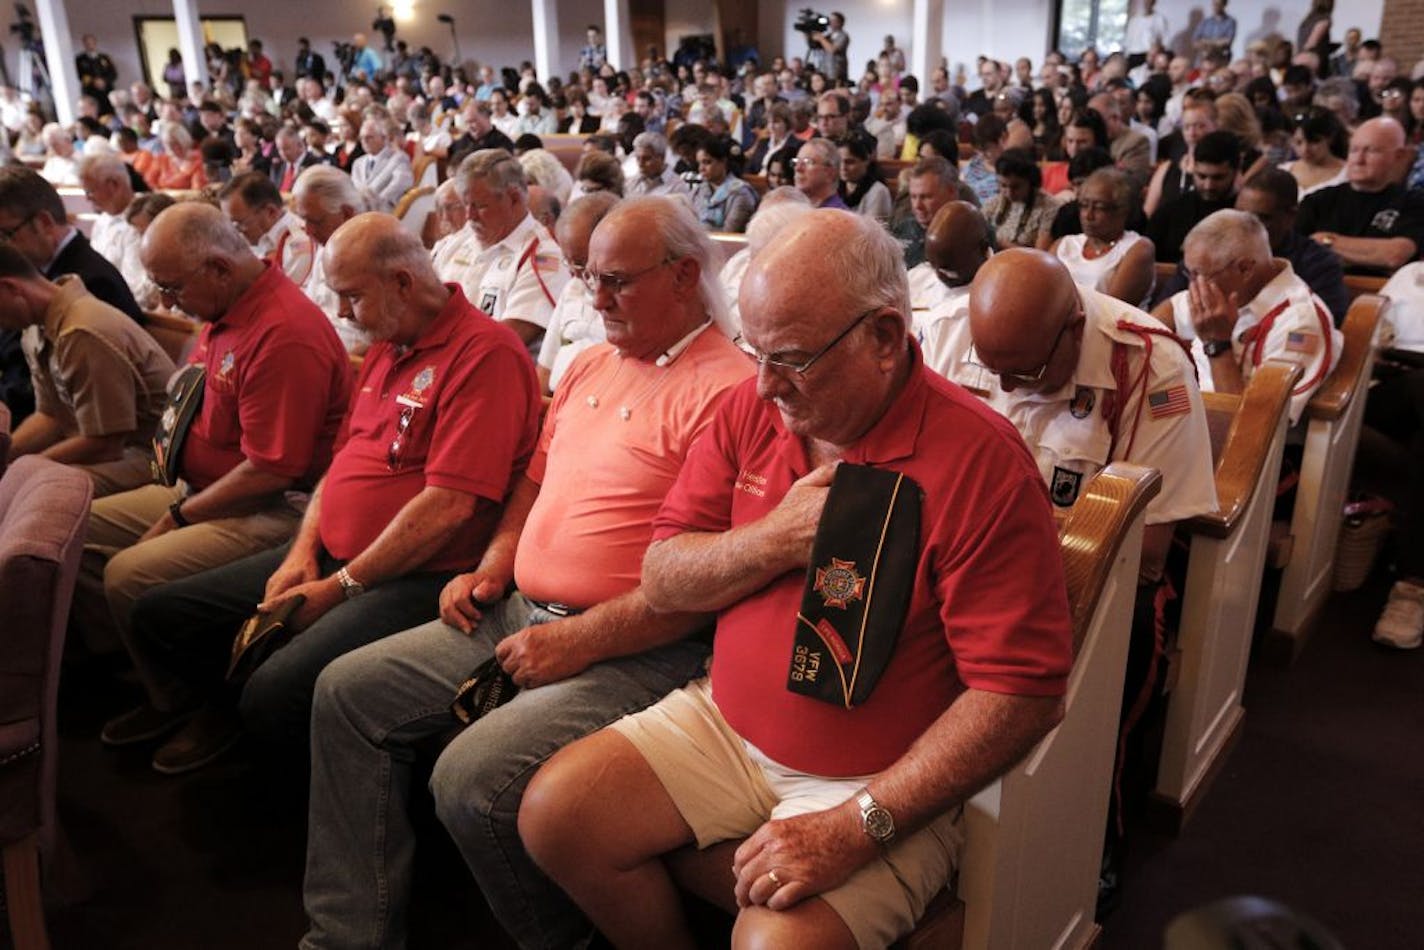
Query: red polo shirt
{"points": [[990, 609], [278, 382], [458, 409]]}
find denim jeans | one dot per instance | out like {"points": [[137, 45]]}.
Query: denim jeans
{"points": [[373, 705], [181, 636]]}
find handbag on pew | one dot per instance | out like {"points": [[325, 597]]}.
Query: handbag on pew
{"points": [[185, 398], [858, 585], [261, 636]]}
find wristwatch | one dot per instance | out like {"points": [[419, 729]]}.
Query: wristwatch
{"points": [[175, 511], [350, 586], [875, 821], [1214, 348]]}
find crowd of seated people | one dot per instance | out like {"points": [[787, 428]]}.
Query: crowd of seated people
{"points": [[582, 446]]}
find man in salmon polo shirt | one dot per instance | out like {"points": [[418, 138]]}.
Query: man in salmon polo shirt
{"points": [[849, 806], [445, 418], [577, 635], [277, 384]]}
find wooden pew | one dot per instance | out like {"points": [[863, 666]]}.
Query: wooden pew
{"points": [[1228, 553], [414, 207], [1357, 285], [174, 333], [1333, 420], [566, 148], [1028, 873]]}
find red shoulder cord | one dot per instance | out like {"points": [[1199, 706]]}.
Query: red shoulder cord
{"points": [[1255, 343], [524, 258], [1126, 385]]}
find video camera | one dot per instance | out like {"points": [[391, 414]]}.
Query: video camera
{"points": [[345, 54], [809, 21], [24, 25]]}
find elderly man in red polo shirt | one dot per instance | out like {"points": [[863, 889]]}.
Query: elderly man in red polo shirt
{"points": [[277, 383], [849, 808], [444, 419]]}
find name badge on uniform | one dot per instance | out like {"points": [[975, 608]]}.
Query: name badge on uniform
{"points": [[858, 585]]}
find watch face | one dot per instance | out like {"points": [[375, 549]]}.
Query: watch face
{"points": [[878, 824]]}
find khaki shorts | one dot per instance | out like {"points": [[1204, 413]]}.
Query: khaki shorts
{"points": [[726, 789]]}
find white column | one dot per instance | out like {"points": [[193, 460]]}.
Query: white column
{"points": [[618, 34], [59, 57], [190, 41], [926, 40], [546, 39]]}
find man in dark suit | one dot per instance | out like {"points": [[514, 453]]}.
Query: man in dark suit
{"points": [[96, 71], [290, 159], [309, 63], [33, 221]]}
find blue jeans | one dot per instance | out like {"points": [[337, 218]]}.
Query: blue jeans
{"points": [[181, 639], [373, 705]]}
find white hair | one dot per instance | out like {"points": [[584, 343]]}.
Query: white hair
{"points": [[546, 171], [331, 187], [1229, 235], [770, 220]]}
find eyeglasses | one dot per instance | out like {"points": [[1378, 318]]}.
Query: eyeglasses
{"points": [[615, 283], [174, 290], [801, 368], [807, 162], [8, 234], [1097, 207], [393, 454], [1024, 378], [1211, 275]]}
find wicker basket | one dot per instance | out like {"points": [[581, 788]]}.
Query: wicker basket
{"points": [[1359, 544]]}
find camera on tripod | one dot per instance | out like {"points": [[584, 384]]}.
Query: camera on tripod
{"points": [[808, 21], [345, 54]]}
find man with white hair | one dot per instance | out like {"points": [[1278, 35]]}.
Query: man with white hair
{"points": [[575, 324], [508, 264], [60, 167], [383, 174], [778, 208], [324, 198], [109, 189], [1243, 307], [451, 219], [578, 627], [818, 173], [654, 177]]}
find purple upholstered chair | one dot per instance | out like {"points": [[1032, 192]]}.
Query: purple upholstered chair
{"points": [[44, 507], [4, 435]]}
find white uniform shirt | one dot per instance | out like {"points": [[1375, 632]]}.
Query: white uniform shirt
{"points": [[117, 242], [297, 247], [943, 332], [926, 292], [574, 327], [1070, 431], [1300, 331], [518, 278], [731, 276], [352, 336], [444, 250], [382, 178], [1405, 313]]}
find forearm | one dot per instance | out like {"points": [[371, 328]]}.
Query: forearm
{"points": [[1391, 253], [626, 625], [307, 544], [243, 490], [527, 330], [706, 571], [37, 433], [1226, 374], [974, 741], [87, 449], [421, 528]]}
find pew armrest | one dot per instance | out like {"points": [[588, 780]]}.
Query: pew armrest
{"points": [[1255, 415], [1353, 371]]}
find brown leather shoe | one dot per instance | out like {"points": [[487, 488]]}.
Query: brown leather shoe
{"points": [[213, 731], [141, 724]]}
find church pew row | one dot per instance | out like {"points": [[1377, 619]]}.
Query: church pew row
{"points": [[1333, 420], [1028, 872], [1223, 586]]}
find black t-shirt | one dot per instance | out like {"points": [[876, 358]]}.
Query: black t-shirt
{"points": [[1392, 213], [1169, 226]]}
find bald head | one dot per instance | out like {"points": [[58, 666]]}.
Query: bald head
{"points": [[384, 278], [198, 259], [1377, 154], [1021, 305], [189, 229], [957, 242]]}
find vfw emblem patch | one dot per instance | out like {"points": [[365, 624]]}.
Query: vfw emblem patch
{"points": [[839, 584]]}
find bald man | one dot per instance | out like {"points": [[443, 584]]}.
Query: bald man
{"points": [[957, 245], [1372, 222], [575, 324], [277, 383], [851, 809], [1243, 306], [1066, 364], [444, 420]]}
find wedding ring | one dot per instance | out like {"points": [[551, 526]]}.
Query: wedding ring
{"points": [[774, 879]]}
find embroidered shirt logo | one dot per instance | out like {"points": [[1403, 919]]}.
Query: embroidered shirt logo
{"points": [[839, 583]]}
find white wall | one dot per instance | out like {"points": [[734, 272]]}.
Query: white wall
{"points": [[499, 31]]}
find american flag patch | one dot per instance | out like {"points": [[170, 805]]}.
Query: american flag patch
{"points": [[1301, 342], [1171, 401]]}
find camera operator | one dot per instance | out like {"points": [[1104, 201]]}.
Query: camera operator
{"points": [[828, 49], [384, 25]]}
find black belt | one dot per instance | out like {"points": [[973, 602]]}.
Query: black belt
{"points": [[558, 610]]}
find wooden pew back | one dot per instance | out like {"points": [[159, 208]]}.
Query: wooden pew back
{"points": [[174, 333], [1228, 552]]}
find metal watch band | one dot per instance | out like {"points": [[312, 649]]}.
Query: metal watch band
{"points": [[350, 586], [175, 511]]}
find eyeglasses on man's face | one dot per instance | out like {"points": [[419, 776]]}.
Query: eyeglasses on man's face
{"points": [[1023, 378], [785, 360], [615, 283]]}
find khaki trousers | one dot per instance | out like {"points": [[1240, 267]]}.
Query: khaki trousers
{"points": [[133, 470]]}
